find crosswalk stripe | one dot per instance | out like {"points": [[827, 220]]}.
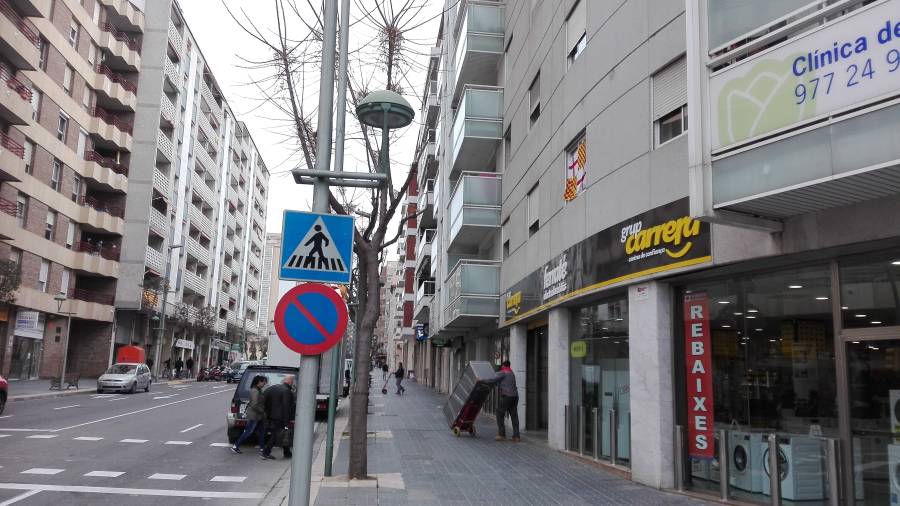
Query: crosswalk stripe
{"points": [[87, 438], [229, 479], [42, 470], [41, 436], [133, 441], [162, 476], [182, 443], [105, 474], [220, 445]]}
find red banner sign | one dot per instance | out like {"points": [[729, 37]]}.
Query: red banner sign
{"points": [[698, 368]]}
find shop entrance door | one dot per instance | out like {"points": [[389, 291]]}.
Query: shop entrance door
{"points": [[536, 380], [25, 358]]}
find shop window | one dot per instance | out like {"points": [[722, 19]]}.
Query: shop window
{"points": [[576, 34], [870, 291], [670, 101]]}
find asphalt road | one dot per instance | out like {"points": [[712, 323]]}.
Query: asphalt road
{"points": [[168, 446]]}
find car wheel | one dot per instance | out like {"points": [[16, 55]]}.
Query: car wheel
{"points": [[2, 402], [148, 386], [133, 388]]}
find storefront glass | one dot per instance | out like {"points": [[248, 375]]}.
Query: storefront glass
{"points": [[870, 291], [772, 372], [599, 386], [499, 353]]}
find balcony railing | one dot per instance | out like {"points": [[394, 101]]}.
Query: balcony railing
{"points": [[161, 182], [426, 289], [474, 208], [480, 44], [172, 72], [121, 36], [17, 20], [112, 119], [159, 222], [103, 207], [194, 282], [12, 146], [92, 296], [164, 145], [107, 252], [9, 207], [473, 292], [201, 220], [424, 248], [167, 110], [117, 78], [477, 129], [176, 39], [154, 260], [198, 251], [103, 161], [15, 85]]}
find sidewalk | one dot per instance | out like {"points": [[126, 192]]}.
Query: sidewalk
{"points": [[415, 459], [25, 390]]}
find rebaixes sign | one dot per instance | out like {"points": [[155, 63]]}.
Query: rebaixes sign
{"points": [[698, 369]]}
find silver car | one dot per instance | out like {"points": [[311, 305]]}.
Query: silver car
{"points": [[125, 378]]}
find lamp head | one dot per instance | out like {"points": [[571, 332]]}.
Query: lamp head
{"points": [[372, 109]]}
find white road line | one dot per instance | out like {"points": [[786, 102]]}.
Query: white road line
{"points": [[114, 399], [161, 476], [229, 479], [6, 416], [192, 428], [220, 445], [133, 441], [180, 443], [5, 435], [41, 436], [105, 474], [43, 470], [87, 438], [19, 497], [102, 396], [131, 491], [163, 397], [67, 407]]}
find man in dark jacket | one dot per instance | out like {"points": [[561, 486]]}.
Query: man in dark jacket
{"points": [[509, 401], [279, 402]]}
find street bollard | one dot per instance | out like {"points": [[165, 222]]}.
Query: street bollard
{"points": [[581, 430], [774, 471], [723, 464], [679, 458], [613, 437], [595, 433]]}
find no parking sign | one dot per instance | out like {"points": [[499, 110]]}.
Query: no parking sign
{"points": [[311, 318]]}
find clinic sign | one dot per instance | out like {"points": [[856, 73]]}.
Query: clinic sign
{"points": [[698, 376], [854, 60]]}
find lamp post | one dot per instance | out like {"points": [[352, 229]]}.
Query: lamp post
{"points": [[60, 298], [162, 318], [387, 110]]}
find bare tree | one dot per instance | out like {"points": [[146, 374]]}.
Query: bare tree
{"points": [[386, 58]]}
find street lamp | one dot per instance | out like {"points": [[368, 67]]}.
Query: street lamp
{"points": [[162, 318], [387, 110], [60, 298]]}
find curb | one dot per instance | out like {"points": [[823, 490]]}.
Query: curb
{"points": [[66, 393]]}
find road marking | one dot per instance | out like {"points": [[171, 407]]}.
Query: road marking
{"points": [[87, 438], [117, 399], [43, 470], [102, 396], [67, 407], [133, 441], [41, 436], [192, 428], [222, 386], [19, 497], [220, 445], [5, 435], [229, 479], [181, 443], [161, 476], [131, 491], [105, 474], [163, 397], [6, 416]]}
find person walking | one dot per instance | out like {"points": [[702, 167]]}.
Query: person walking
{"points": [[399, 375], [385, 370], [256, 415], [190, 367], [277, 402], [509, 401], [168, 370], [179, 364]]}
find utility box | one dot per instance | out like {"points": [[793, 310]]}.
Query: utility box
{"points": [[131, 355]]}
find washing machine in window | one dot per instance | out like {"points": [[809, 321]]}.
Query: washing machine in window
{"points": [[801, 460], [745, 465], [894, 472], [707, 469]]}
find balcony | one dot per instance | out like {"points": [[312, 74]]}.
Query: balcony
{"points": [[15, 99], [423, 249], [204, 191], [110, 127], [176, 40], [424, 300], [193, 283], [102, 206], [124, 48], [477, 130], [116, 87], [107, 252], [427, 158], [19, 44], [432, 104], [161, 183], [201, 220], [480, 45], [125, 14], [426, 203], [473, 293], [12, 159], [159, 223], [207, 129], [474, 210], [106, 162], [167, 112], [165, 150], [92, 296], [251, 305], [172, 71], [198, 251], [203, 156], [214, 106]]}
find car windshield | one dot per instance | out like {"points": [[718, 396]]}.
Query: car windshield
{"points": [[121, 369], [273, 377]]}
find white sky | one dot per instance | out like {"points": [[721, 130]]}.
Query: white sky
{"points": [[221, 41]]}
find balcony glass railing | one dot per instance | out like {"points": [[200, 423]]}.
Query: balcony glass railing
{"points": [[482, 31], [480, 116], [424, 241], [426, 289], [473, 289], [475, 201]]}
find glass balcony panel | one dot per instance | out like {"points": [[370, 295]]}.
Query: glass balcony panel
{"points": [[477, 129], [480, 45]]}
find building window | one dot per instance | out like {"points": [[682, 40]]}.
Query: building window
{"points": [[15, 256], [92, 53], [35, 104], [74, 30], [533, 210], [534, 96], [70, 234], [44, 275], [504, 237], [64, 282], [670, 101], [51, 225], [67, 80], [44, 50], [576, 34], [76, 188], [63, 126], [82, 143], [507, 147], [22, 209], [29, 156], [56, 175]]}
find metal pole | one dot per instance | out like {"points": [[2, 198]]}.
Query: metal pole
{"points": [[613, 437], [595, 434], [566, 430], [832, 470], [304, 416], [337, 353], [679, 458], [581, 429], [162, 317], [723, 464], [774, 471], [62, 373]]}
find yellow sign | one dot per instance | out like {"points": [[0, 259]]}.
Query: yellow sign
{"points": [[513, 301], [578, 349], [671, 233]]}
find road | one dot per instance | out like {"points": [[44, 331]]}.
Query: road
{"points": [[167, 446]]}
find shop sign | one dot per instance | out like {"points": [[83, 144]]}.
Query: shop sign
{"points": [[659, 240], [29, 324], [219, 344], [236, 347], [698, 370], [578, 349], [440, 343], [421, 331], [843, 64], [184, 343]]}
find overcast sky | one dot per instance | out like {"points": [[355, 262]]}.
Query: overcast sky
{"points": [[221, 41]]}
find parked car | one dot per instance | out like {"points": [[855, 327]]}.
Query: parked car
{"points": [[4, 391], [236, 419], [125, 378], [238, 368]]}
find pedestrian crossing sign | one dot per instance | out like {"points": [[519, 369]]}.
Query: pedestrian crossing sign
{"points": [[316, 247]]}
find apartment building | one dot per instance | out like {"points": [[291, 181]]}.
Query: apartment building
{"points": [[196, 212], [392, 312], [66, 142], [671, 218], [269, 290]]}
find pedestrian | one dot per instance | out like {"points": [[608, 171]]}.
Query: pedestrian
{"points": [[509, 401], [256, 415], [278, 401], [385, 370], [179, 364], [399, 375], [168, 370], [190, 367]]}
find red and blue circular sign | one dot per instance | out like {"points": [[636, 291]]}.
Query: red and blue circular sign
{"points": [[311, 318]]}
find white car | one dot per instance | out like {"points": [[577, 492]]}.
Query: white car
{"points": [[125, 378]]}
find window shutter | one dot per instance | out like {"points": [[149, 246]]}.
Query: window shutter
{"points": [[670, 88], [575, 25]]}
